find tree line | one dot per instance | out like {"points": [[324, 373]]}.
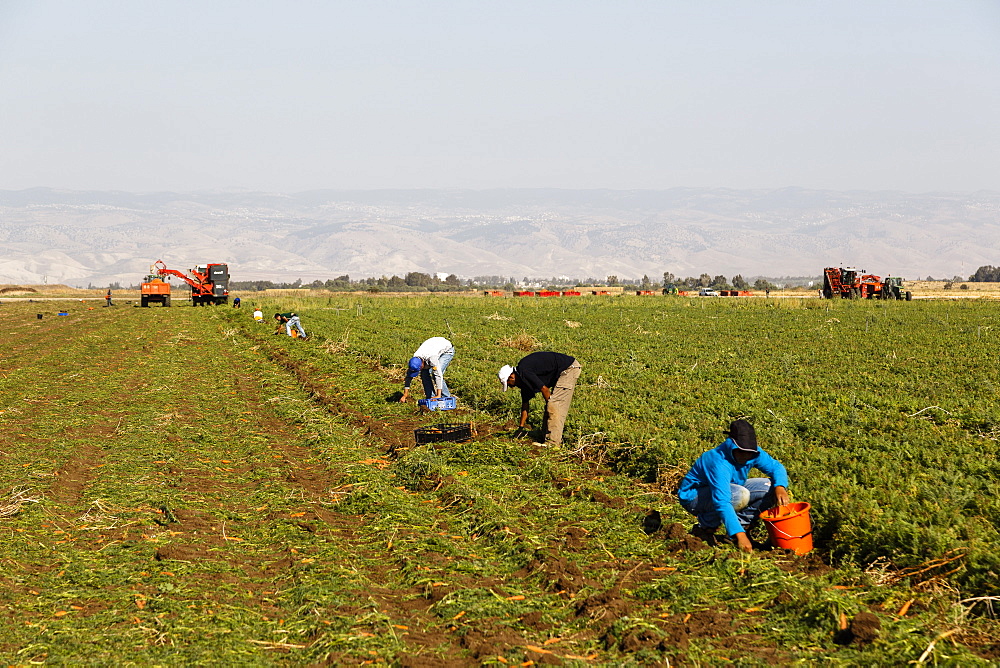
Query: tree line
{"points": [[986, 274], [419, 281], [412, 281], [719, 282]]}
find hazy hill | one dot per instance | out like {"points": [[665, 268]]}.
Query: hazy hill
{"points": [[100, 237]]}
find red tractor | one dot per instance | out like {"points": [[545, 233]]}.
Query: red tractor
{"points": [[841, 282], [849, 283], [871, 286], [209, 283]]}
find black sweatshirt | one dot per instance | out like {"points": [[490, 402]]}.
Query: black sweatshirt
{"points": [[538, 369]]}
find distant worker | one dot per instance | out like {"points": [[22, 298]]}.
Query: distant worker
{"points": [[717, 492], [107, 298], [290, 320], [236, 302], [552, 374], [258, 315], [430, 361]]}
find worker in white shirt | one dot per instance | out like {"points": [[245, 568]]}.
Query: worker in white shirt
{"points": [[430, 361]]}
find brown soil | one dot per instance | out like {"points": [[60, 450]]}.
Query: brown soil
{"points": [[678, 539], [73, 477], [862, 630]]}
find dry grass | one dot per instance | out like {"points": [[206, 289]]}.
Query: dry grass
{"points": [[337, 347], [668, 476], [19, 496], [937, 289], [59, 290], [13, 289], [17, 290], [522, 341]]}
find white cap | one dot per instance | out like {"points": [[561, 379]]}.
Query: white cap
{"points": [[504, 374]]}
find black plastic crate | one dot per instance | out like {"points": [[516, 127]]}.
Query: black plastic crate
{"points": [[437, 433]]}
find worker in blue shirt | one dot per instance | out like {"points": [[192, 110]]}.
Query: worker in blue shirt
{"points": [[716, 489]]}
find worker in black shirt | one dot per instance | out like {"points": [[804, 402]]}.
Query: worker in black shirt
{"points": [[552, 374]]}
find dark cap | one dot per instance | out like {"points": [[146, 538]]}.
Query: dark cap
{"points": [[743, 435]]}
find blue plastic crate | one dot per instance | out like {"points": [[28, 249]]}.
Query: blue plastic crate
{"points": [[442, 404]]}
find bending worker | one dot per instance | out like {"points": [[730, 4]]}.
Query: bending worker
{"points": [[552, 374], [430, 361], [290, 320], [716, 489]]}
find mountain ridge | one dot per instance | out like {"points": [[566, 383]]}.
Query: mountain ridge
{"points": [[99, 237]]}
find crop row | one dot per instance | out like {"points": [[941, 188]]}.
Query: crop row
{"points": [[884, 413]]}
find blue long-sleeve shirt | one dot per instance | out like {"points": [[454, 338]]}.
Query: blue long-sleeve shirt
{"points": [[716, 469]]}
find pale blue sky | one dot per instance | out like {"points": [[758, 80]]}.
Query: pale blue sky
{"points": [[288, 96]]}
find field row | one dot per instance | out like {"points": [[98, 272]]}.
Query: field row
{"points": [[197, 489]]}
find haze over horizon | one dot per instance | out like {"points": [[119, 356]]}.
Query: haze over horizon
{"points": [[105, 236], [532, 138], [277, 97]]}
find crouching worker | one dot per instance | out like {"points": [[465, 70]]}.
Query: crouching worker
{"points": [[289, 320], [717, 492]]}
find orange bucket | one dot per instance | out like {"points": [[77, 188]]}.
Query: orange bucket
{"points": [[789, 527]]}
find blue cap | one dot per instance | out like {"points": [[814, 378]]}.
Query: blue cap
{"points": [[416, 364]]}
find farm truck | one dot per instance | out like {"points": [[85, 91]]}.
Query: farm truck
{"points": [[849, 283], [154, 291], [209, 284]]}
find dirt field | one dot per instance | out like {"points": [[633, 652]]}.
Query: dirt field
{"points": [[936, 290]]}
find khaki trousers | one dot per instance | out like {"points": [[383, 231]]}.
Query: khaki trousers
{"points": [[558, 404]]}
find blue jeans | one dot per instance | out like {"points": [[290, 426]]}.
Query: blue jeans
{"points": [[294, 322], [427, 378], [748, 501]]}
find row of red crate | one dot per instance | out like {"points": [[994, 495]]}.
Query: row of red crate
{"points": [[575, 293]]}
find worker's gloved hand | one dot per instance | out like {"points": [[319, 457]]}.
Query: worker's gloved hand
{"points": [[519, 432]]}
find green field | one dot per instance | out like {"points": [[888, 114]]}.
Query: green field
{"points": [[179, 486]]}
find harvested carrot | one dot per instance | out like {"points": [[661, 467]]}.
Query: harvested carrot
{"points": [[535, 648]]}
